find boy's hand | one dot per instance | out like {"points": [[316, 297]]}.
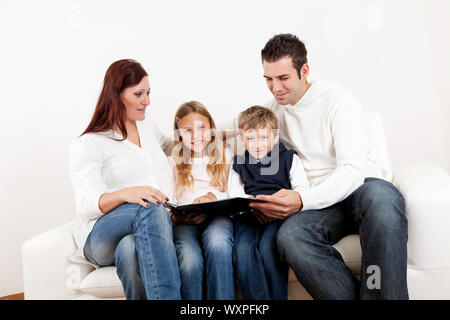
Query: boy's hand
{"points": [[207, 197], [279, 205], [262, 219]]}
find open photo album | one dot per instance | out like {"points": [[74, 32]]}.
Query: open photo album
{"points": [[227, 207]]}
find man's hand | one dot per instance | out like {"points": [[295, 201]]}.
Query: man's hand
{"points": [[279, 205]]}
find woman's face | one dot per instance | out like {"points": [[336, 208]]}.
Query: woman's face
{"points": [[195, 130], [136, 99]]}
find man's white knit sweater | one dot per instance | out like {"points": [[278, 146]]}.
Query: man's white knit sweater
{"points": [[325, 127]]}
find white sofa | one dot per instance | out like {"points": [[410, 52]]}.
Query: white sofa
{"points": [[53, 268]]}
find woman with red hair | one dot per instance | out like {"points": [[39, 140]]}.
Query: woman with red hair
{"points": [[119, 174]]}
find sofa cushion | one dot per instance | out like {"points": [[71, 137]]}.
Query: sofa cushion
{"points": [[350, 249], [103, 283]]}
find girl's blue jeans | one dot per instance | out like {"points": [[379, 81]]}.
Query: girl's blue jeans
{"points": [[205, 259]]}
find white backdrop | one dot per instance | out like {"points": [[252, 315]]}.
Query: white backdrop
{"points": [[392, 53]]}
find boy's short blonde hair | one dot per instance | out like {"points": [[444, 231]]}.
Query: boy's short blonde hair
{"points": [[257, 117]]}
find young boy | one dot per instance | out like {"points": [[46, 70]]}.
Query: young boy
{"points": [[265, 168]]}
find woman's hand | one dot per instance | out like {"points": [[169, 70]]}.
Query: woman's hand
{"points": [[207, 197], [140, 194], [190, 218]]}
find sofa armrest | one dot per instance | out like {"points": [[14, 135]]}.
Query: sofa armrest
{"points": [[48, 271], [426, 189]]}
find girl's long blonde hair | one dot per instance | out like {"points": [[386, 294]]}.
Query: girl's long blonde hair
{"points": [[217, 166]]}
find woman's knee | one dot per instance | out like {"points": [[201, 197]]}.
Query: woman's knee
{"points": [[156, 213], [157, 217], [100, 253]]}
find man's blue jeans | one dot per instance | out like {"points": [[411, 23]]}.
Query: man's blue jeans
{"points": [[204, 255], [376, 211], [139, 242], [260, 273]]}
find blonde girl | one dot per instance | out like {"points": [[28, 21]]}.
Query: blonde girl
{"points": [[203, 243]]}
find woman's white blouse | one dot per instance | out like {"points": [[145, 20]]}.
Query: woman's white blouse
{"points": [[99, 164]]}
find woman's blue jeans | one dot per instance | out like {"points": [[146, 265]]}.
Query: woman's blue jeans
{"points": [[205, 260], [139, 242], [260, 272], [375, 211]]}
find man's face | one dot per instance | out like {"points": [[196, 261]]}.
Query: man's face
{"points": [[283, 81], [258, 142]]}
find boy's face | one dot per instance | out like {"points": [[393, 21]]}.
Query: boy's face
{"points": [[259, 142]]}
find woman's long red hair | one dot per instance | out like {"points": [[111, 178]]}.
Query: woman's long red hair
{"points": [[110, 111]]}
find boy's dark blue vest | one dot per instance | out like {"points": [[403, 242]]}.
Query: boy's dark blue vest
{"points": [[268, 175]]}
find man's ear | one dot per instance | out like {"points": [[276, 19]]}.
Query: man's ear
{"points": [[304, 71]]}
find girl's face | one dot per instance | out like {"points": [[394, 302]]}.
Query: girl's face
{"points": [[136, 99], [195, 131]]}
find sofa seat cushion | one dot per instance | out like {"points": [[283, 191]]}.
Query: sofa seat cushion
{"points": [[103, 283], [350, 249]]}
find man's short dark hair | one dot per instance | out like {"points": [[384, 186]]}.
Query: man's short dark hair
{"points": [[285, 45]]}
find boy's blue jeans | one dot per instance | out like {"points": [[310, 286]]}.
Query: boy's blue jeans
{"points": [[376, 211], [260, 273], [205, 260], [139, 242]]}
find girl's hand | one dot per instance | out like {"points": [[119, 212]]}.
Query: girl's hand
{"points": [[207, 197], [190, 218], [140, 194]]}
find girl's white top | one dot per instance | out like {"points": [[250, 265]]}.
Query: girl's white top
{"points": [[201, 181]]}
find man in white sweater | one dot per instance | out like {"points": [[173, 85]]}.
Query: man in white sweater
{"points": [[324, 124]]}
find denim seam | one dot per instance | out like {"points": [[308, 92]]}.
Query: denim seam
{"points": [[261, 268], [152, 269], [149, 255]]}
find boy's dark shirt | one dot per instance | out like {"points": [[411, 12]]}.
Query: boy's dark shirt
{"points": [[249, 169]]}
